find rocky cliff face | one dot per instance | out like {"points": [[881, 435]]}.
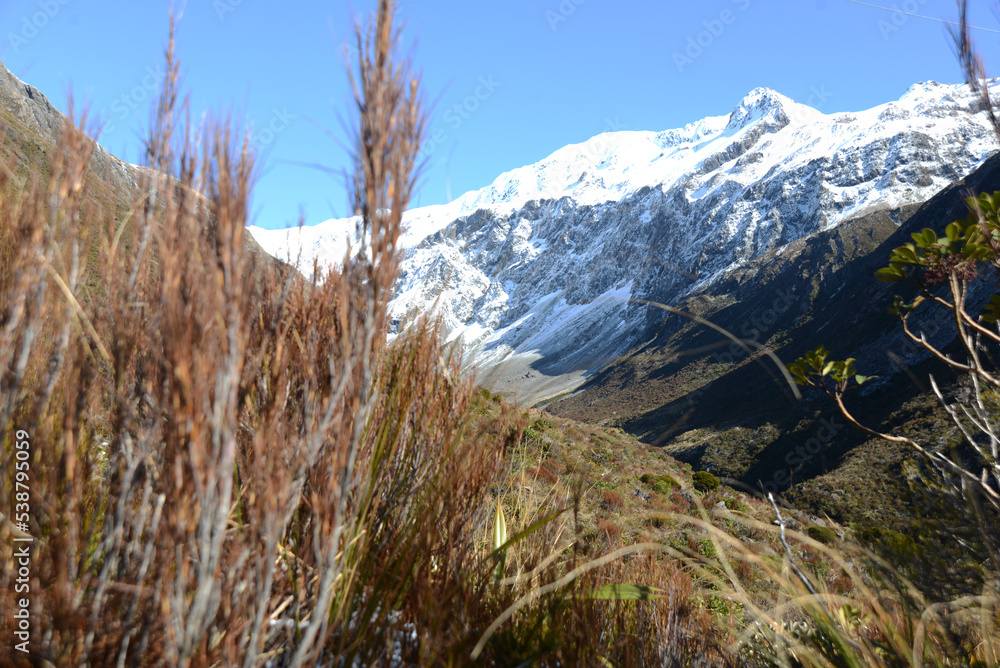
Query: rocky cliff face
{"points": [[539, 272]]}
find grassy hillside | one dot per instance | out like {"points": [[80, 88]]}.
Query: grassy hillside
{"points": [[616, 492]]}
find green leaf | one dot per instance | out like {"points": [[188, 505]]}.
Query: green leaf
{"points": [[976, 251], [861, 380], [799, 372], [900, 307], [499, 528], [890, 274], [906, 254], [926, 237], [991, 313], [527, 532], [625, 592]]}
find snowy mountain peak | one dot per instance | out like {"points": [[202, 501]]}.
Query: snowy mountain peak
{"points": [[935, 92], [758, 104], [945, 98], [922, 87]]}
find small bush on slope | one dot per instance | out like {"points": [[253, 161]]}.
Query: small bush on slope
{"points": [[705, 481]]}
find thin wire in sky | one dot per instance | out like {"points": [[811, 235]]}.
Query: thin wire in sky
{"points": [[920, 16]]}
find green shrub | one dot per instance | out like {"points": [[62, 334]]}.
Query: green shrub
{"points": [[661, 484], [707, 548], [735, 504], [717, 606], [822, 534], [540, 425], [896, 547], [704, 481]]}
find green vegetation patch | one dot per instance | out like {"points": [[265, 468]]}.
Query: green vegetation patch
{"points": [[661, 484], [704, 481], [895, 547], [822, 534]]}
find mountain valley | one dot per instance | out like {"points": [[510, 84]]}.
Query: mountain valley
{"points": [[769, 222]]}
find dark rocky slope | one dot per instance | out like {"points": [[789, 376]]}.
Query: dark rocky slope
{"points": [[706, 400]]}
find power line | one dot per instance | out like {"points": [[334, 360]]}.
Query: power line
{"points": [[920, 16]]}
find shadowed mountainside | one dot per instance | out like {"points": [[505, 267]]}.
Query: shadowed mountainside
{"points": [[710, 402]]}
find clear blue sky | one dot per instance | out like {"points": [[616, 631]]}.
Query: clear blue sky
{"points": [[510, 81]]}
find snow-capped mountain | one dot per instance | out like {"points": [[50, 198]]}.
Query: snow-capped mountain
{"points": [[539, 271]]}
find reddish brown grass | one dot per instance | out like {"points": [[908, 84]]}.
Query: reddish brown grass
{"points": [[542, 473], [611, 500]]}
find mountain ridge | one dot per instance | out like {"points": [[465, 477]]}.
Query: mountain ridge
{"points": [[540, 272]]}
